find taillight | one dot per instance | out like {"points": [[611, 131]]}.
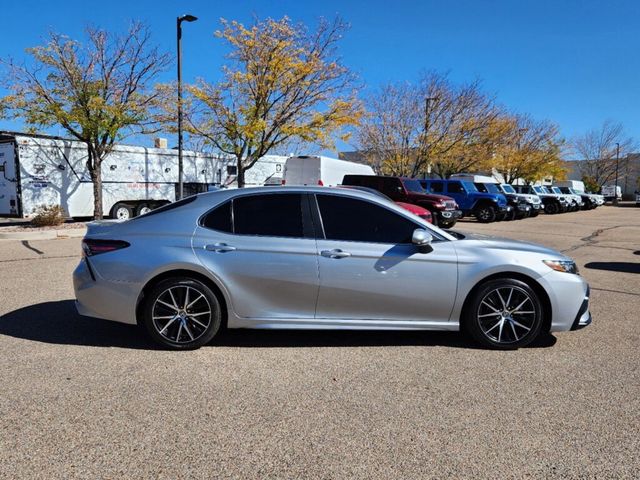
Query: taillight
{"points": [[92, 246], [320, 183]]}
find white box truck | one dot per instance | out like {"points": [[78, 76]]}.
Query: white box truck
{"points": [[318, 170], [43, 170], [611, 192]]}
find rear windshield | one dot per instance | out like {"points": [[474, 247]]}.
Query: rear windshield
{"points": [[167, 207]]}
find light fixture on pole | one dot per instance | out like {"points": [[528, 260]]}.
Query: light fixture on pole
{"points": [[183, 18]]}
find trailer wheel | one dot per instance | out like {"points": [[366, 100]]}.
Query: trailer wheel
{"points": [[142, 209], [122, 211]]}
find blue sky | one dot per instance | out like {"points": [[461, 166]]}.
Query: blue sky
{"points": [[574, 62]]}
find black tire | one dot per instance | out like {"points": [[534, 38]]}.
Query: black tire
{"points": [[448, 224], [512, 215], [551, 208], [482, 317], [143, 208], [434, 219], [486, 214], [534, 213], [122, 211], [183, 332]]}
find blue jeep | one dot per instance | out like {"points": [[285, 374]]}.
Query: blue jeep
{"points": [[486, 207]]}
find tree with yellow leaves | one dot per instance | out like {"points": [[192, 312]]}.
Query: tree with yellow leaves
{"points": [[97, 91], [282, 83]]}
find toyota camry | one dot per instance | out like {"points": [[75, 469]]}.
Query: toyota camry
{"points": [[319, 258]]}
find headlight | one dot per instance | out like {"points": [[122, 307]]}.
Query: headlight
{"points": [[566, 266]]}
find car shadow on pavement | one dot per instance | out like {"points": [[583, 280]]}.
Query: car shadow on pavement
{"points": [[624, 267], [59, 323]]}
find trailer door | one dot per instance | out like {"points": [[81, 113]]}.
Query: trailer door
{"points": [[8, 180]]}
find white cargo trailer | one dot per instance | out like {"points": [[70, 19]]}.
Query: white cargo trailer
{"points": [[42, 170], [318, 170]]}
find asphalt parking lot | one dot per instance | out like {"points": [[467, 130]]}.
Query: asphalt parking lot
{"points": [[87, 398]]}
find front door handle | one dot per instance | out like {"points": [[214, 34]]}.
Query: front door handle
{"points": [[335, 253], [220, 248]]}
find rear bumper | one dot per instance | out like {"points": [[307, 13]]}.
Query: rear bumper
{"points": [[99, 298]]}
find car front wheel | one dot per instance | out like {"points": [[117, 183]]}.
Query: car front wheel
{"points": [[504, 314], [486, 214], [182, 313]]}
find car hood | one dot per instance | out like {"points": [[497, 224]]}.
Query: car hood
{"points": [[512, 245], [429, 196]]}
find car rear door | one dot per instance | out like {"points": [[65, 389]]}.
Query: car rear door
{"points": [[370, 271], [261, 247]]}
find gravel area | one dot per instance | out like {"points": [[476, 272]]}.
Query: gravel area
{"points": [[84, 398]]}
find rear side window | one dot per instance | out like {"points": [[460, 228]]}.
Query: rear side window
{"points": [[274, 215], [219, 218], [436, 187], [361, 221]]}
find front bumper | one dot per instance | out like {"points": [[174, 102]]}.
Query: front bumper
{"points": [[449, 215], [583, 318]]}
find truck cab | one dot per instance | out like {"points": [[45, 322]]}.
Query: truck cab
{"points": [[444, 209], [552, 203], [519, 207], [486, 207]]}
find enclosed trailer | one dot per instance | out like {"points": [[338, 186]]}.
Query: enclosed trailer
{"points": [[40, 170], [318, 170]]}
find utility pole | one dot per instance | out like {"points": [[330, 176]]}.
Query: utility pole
{"points": [[179, 20]]}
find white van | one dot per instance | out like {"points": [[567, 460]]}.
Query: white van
{"points": [[317, 170], [576, 185]]}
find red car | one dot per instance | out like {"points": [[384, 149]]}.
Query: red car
{"points": [[423, 213]]}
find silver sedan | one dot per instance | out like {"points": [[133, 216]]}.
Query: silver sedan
{"points": [[319, 258]]}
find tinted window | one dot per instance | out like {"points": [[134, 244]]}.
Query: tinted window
{"points": [[413, 186], [360, 221], [391, 186], [219, 218], [436, 187], [454, 188], [276, 215]]}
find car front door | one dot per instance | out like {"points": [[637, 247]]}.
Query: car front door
{"points": [[370, 271], [261, 247]]}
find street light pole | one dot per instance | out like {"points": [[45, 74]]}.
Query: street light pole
{"points": [[615, 192], [179, 20], [427, 102]]}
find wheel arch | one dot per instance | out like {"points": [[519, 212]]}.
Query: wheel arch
{"points": [[182, 272], [535, 286]]}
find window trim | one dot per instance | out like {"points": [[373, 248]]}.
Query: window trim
{"points": [[308, 227], [318, 214]]}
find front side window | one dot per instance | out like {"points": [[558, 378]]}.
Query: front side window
{"points": [[454, 188], [357, 220]]}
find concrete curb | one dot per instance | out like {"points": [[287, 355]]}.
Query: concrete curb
{"points": [[44, 234]]}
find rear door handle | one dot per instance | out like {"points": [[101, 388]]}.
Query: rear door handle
{"points": [[335, 253], [220, 248]]}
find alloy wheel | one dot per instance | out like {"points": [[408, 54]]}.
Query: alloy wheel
{"points": [[181, 314], [507, 314]]}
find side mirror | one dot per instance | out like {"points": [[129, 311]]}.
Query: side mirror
{"points": [[422, 239]]}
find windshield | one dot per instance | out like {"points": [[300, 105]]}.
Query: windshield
{"points": [[539, 189], [492, 188], [555, 190], [508, 188], [470, 187], [413, 186]]}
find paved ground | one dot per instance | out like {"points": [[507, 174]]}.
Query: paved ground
{"points": [[86, 398]]}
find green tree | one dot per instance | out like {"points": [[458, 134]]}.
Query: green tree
{"points": [[281, 83], [98, 92]]}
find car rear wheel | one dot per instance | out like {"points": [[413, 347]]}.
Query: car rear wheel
{"points": [[504, 314], [486, 214], [182, 314]]}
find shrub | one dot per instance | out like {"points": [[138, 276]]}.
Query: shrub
{"points": [[47, 216]]}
